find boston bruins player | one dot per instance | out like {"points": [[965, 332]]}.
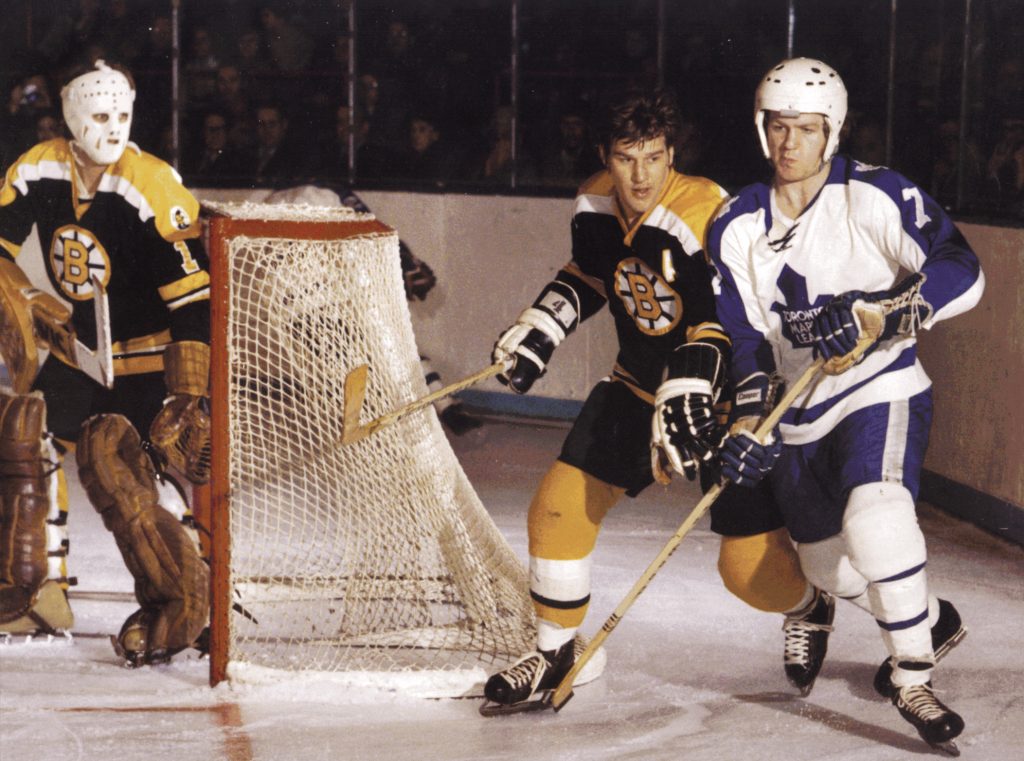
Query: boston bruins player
{"points": [[638, 232], [107, 211]]}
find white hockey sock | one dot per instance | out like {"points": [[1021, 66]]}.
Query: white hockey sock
{"points": [[551, 636]]}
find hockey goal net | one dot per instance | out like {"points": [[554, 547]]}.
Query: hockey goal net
{"points": [[374, 559]]}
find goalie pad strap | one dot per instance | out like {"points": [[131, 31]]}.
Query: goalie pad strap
{"points": [[187, 368], [24, 503], [171, 580]]}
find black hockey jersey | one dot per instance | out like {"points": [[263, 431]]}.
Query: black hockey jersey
{"points": [[654, 275], [139, 234]]}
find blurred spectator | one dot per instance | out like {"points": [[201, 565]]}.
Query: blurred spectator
{"points": [[689, 153], [946, 158], [232, 99], [152, 70], [216, 158], [494, 165], [867, 140], [290, 48], [122, 32], [252, 57], [28, 99], [571, 158], [200, 67], [278, 155], [67, 33], [49, 125], [1004, 177], [429, 158], [372, 161], [388, 116]]}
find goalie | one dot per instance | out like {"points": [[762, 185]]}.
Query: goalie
{"points": [[106, 212]]}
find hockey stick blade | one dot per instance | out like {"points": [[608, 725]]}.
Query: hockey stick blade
{"points": [[99, 364], [563, 692], [355, 391]]}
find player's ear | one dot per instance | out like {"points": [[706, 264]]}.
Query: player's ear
{"points": [[603, 153], [671, 155]]}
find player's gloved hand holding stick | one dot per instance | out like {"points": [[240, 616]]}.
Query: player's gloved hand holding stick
{"points": [[852, 324], [564, 690], [746, 457], [526, 347], [684, 428]]}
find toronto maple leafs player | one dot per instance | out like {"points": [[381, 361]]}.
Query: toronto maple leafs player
{"points": [[845, 261]]}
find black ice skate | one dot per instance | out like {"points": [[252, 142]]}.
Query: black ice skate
{"points": [[527, 684], [946, 634], [936, 724], [807, 641]]}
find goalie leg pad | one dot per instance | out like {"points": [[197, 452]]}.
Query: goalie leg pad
{"points": [[25, 502], [171, 580], [763, 570]]}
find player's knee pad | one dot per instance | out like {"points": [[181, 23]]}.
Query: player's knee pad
{"points": [[827, 566], [886, 545], [882, 535], [171, 580], [28, 494], [763, 570], [564, 520]]}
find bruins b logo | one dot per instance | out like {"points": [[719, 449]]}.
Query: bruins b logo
{"points": [[654, 306], [75, 256]]}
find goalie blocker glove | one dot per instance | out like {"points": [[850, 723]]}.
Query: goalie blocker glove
{"points": [[684, 428], [527, 346], [852, 324]]}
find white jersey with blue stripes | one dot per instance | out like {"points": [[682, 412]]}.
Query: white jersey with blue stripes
{"points": [[866, 229]]}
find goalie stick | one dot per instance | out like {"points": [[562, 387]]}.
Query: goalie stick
{"points": [[355, 391], [61, 339], [561, 695]]}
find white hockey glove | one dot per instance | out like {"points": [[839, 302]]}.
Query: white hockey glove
{"points": [[527, 346], [684, 428], [853, 323]]}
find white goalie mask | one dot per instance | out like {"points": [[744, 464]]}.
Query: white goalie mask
{"points": [[95, 105], [802, 86]]}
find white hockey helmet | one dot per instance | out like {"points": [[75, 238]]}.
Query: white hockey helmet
{"points": [[805, 86], [102, 92]]}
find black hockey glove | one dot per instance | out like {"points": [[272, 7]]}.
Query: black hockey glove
{"points": [[684, 429], [527, 346]]}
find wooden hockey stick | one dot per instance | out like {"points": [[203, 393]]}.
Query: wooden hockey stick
{"points": [[355, 391], [563, 692]]}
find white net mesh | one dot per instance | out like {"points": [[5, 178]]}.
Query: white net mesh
{"points": [[375, 556]]}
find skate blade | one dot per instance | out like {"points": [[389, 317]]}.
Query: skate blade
{"points": [[61, 637], [950, 643], [542, 703], [948, 747]]}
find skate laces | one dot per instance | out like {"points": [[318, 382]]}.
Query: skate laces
{"points": [[798, 638], [528, 670], [921, 701]]}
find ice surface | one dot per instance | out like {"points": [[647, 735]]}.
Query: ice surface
{"points": [[692, 673]]}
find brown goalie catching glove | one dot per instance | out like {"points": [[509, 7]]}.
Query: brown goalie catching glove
{"points": [[181, 430]]}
